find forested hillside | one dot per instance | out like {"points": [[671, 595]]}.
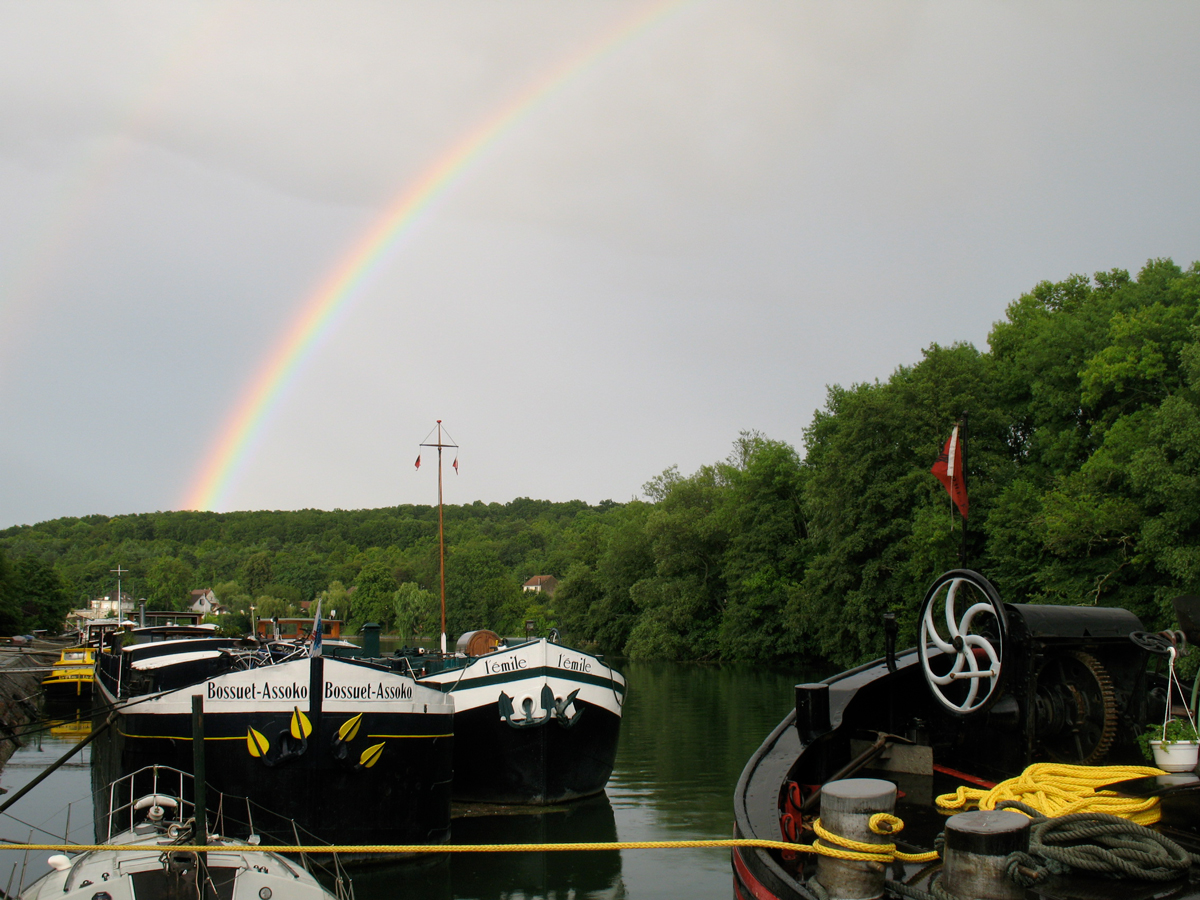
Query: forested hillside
{"points": [[1084, 476]]}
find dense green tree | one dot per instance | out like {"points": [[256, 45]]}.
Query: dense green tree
{"points": [[680, 604], [374, 590], [624, 559], [169, 582], [288, 592], [11, 618], [578, 592], [336, 602], [480, 592], [416, 612], [763, 565], [1093, 522], [256, 572], [268, 607], [542, 615], [43, 599], [232, 595]]}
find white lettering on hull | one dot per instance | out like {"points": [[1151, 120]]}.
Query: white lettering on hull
{"points": [[255, 691], [266, 690], [379, 691]]}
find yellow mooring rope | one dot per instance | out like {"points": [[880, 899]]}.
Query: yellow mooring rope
{"points": [[317, 849], [835, 846], [1055, 790]]}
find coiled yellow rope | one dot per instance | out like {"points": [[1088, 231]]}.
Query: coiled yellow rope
{"points": [[1056, 789], [838, 847]]}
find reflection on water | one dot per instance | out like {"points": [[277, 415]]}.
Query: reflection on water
{"points": [[58, 809], [687, 732], [73, 728], [509, 876]]}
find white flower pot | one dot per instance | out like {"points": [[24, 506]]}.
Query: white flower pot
{"points": [[1181, 756]]}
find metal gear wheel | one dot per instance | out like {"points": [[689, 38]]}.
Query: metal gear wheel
{"points": [[1076, 694]]}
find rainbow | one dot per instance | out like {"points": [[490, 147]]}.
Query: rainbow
{"points": [[244, 428]]}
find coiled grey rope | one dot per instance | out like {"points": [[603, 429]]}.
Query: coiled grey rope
{"points": [[1099, 843]]}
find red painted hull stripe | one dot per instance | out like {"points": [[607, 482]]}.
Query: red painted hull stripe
{"points": [[752, 884]]}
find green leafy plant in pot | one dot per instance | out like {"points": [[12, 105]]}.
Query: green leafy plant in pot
{"points": [[1173, 746]]}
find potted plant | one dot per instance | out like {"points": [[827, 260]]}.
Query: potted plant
{"points": [[1173, 746]]}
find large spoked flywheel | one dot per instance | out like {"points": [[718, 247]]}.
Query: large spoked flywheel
{"points": [[961, 641]]}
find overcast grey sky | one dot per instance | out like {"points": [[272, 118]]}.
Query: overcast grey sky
{"points": [[727, 211]]}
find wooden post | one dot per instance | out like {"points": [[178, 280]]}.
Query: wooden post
{"points": [[199, 787], [441, 530]]}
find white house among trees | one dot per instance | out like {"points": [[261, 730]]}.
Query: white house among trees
{"points": [[204, 601], [541, 584]]}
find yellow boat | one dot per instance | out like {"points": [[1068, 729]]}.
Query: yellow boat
{"points": [[71, 677]]}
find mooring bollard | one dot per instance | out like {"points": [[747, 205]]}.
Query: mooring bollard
{"points": [[977, 848], [846, 810]]}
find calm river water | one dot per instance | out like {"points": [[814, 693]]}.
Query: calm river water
{"points": [[687, 732]]}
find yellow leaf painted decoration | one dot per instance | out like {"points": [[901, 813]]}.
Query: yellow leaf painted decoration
{"points": [[349, 728], [257, 743], [371, 755], [301, 727]]}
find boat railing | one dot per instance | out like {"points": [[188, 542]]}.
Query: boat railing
{"points": [[125, 793], [269, 653], [228, 816]]}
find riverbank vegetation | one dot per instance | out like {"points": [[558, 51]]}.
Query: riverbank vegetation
{"points": [[1084, 479]]}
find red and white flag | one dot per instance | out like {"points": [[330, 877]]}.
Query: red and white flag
{"points": [[456, 465], [949, 471], [418, 460]]}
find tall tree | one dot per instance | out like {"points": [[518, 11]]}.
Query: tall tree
{"points": [[169, 582], [763, 565], [374, 592], [480, 591], [680, 605], [11, 616], [416, 612], [257, 572], [43, 599]]}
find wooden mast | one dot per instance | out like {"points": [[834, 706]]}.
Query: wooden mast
{"points": [[441, 529]]}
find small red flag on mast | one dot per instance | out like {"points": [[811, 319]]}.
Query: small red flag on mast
{"points": [[949, 471], [418, 460], [456, 465]]}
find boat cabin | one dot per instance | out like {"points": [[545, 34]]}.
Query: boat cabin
{"points": [[77, 657], [94, 631], [152, 617], [154, 633], [297, 629]]}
